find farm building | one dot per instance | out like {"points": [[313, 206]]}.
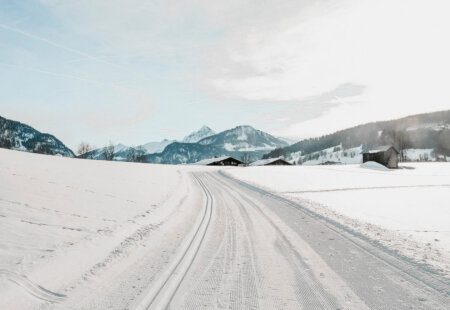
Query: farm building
{"points": [[271, 162], [220, 161], [386, 155]]}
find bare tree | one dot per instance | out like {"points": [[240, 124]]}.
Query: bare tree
{"points": [[131, 155], [140, 154], [84, 149], [399, 139], [108, 152]]}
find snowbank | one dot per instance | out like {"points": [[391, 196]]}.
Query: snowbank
{"points": [[374, 165]]}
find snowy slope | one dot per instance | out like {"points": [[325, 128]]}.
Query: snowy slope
{"points": [[288, 140], [70, 226], [424, 155], [196, 136], [243, 139], [335, 154], [156, 147]]}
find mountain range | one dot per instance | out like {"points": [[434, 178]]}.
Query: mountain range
{"points": [[428, 132], [422, 131], [17, 136], [122, 151], [237, 142]]}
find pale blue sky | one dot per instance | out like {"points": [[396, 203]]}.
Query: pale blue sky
{"points": [[138, 71]]}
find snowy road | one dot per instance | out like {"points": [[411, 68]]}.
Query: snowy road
{"points": [[253, 250]]}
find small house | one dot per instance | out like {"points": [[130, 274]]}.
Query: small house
{"points": [[271, 162], [386, 155], [220, 161]]}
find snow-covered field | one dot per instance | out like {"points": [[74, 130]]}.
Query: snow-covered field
{"points": [[65, 221], [87, 234], [405, 209]]}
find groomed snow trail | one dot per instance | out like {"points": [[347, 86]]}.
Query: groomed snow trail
{"points": [[162, 292], [262, 252]]}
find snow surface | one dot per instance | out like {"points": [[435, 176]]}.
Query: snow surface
{"points": [[378, 149], [374, 165], [245, 147], [263, 162], [420, 155], [120, 148], [82, 234], [198, 135], [406, 209], [64, 221], [157, 147]]}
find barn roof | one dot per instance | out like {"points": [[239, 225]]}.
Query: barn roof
{"points": [[263, 162], [209, 161], [378, 149]]}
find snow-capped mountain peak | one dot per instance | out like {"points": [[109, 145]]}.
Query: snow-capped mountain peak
{"points": [[156, 147], [196, 136], [233, 142], [120, 148]]}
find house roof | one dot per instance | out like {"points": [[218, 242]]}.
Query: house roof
{"points": [[378, 149], [209, 161], [263, 162]]}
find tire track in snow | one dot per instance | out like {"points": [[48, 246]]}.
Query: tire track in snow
{"points": [[163, 292], [310, 293]]}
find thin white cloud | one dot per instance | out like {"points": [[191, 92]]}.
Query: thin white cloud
{"points": [[93, 82], [86, 56], [44, 40]]}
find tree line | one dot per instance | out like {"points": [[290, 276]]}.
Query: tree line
{"points": [[9, 141], [108, 152]]}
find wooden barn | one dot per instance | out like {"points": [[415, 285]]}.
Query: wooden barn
{"points": [[271, 162], [386, 155], [220, 161]]}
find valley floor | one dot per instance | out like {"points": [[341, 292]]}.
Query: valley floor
{"points": [[81, 234], [405, 209]]}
